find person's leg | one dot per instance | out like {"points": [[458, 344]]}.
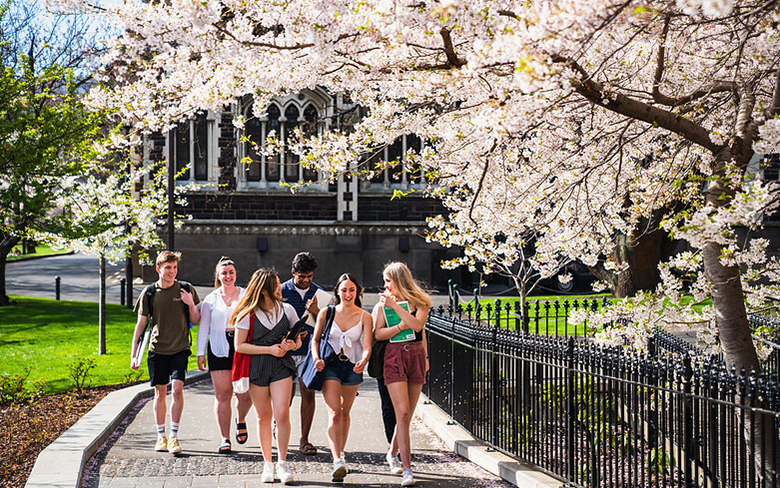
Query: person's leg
{"points": [[223, 398], [280, 394], [243, 404], [261, 399], [388, 413], [178, 368], [348, 394], [399, 392], [331, 393], [307, 416], [177, 400], [160, 407]]}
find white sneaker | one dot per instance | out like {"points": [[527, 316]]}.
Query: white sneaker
{"points": [[268, 473], [394, 463], [285, 475], [339, 471], [407, 479]]}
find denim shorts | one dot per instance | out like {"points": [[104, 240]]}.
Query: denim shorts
{"points": [[343, 372]]}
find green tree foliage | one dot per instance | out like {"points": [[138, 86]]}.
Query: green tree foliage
{"points": [[45, 131]]}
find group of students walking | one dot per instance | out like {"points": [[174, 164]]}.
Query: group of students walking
{"points": [[257, 321]]}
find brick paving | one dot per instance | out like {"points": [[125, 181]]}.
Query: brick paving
{"points": [[128, 459]]}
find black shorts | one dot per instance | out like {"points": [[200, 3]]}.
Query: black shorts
{"points": [[164, 367], [217, 363]]}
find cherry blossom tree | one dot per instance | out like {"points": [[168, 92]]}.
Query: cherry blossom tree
{"points": [[105, 216], [590, 121]]}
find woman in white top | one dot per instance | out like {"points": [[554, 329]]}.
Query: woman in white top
{"points": [[216, 338], [271, 368], [351, 338]]}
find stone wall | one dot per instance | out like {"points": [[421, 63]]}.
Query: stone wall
{"points": [[361, 248]]}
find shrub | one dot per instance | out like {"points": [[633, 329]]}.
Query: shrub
{"points": [[79, 371], [12, 387]]}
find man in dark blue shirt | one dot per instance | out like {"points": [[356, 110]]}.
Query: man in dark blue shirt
{"points": [[300, 291]]}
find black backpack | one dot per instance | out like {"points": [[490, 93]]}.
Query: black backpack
{"points": [[150, 292]]}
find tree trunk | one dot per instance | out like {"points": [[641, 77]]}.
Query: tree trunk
{"points": [[642, 254], [102, 307], [129, 282], [6, 244], [728, 303]]}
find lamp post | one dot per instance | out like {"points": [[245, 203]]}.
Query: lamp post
{"points": [[171, 201]]}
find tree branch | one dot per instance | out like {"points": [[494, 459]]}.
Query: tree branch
{"points": [[774, 110], [594, 92], [449, 49]]}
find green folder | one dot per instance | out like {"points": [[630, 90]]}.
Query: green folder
{"points": [[392, 319]]}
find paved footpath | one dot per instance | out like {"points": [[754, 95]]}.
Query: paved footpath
{"points": [[128, 458]]}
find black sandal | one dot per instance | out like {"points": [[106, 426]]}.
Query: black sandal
{"points": [[225, 447], [241, 437]]}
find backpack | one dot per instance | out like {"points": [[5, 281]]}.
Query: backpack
{"points": [[150, 292]]}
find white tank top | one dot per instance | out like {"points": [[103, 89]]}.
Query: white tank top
{"points": [[350, 343]]}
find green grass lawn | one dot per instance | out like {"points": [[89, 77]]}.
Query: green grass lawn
{"points": [[40, 250], [544, 319], [48, 335], [544, 316]]}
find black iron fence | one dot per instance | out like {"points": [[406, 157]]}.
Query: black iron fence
{"points": [[604, 417], [766, 330], [549, 317]]}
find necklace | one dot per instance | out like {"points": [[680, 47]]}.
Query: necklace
{"points": [[229, 299]]}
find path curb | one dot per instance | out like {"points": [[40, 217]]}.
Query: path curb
{"points": [[61, 464], [459, 441]]}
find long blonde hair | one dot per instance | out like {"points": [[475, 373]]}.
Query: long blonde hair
{"points": [[407, 286], [263, 280]]}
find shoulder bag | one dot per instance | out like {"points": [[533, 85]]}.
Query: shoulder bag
{"points": [[376, 361], [239, 373], [312, 378]]}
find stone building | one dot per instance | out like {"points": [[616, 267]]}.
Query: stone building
{"points": [[247, 211]]}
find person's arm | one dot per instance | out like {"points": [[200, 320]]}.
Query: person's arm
{"points": [[315, 340], [311, 306], [415, 322], [203, 334], [368, 328], [381, 331], [139, 328], [188, 300]]}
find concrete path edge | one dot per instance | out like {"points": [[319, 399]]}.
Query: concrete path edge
{"points": [[459, 441], [57, 466]]}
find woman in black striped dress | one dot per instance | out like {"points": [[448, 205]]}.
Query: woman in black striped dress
{"points": [[271, 368]]}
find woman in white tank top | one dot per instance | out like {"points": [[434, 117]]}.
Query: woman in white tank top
{"points": [[351, 335]]}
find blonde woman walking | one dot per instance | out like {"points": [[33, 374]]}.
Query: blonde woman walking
{"points": [[271, 368], [406, 355]]}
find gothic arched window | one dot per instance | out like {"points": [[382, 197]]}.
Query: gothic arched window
{"points": [[189, 147], [269, 166]]}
